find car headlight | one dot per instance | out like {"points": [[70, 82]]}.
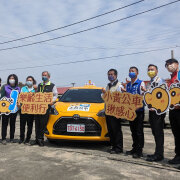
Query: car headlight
{"points": [[53, 110], [101, 113]]}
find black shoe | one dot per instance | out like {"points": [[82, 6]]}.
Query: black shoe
{"points": [[137, 155], [111, 149], [34, 143], [116, 151], [12, 141], [119, 151], [175, 160], [150, 155], [4, 142], [27, 142], [131, 152], [21, 141], [155, 158], [41, 143]]}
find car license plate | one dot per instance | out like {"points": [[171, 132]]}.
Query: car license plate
{"points": [[76, 128]]}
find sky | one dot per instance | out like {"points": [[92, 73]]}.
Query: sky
{"points": [[154, 30]]}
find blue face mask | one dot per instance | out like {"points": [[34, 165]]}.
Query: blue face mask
{"points": [[29, 83], [44, 78], [132, 75], [111, 78]]}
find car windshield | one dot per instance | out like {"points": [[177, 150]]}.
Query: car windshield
{"points": [[82, 95]]}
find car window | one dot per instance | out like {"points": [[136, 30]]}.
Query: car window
{"points": [[83, 95]]}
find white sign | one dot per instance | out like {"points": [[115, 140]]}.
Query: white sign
{"points": [[79, 107]]}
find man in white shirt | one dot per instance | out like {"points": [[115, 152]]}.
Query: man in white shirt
{"points": [[114, 124], [156, 121]]}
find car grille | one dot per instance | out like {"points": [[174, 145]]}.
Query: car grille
{"points": [[92, 127]]}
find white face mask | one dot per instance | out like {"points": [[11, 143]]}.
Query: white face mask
{"points": [[12, 81], [171, 68]]}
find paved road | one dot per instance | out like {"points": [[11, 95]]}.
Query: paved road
{"points": [[88, 161]]}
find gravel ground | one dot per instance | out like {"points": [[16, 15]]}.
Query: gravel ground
{"points": [[75, 160]]}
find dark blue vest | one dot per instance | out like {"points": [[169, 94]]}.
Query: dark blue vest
{"points": [[134, 89]]}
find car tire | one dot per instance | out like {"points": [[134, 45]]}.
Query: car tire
{"points": [[51, 141]]}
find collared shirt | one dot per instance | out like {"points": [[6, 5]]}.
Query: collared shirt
{"points": [[54, 90], [155, 81], [158, 80], [118, 88]]}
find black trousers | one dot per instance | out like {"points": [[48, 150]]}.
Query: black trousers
{"points": [[174, 117], [137, 132], [5, 120], [40, 125], [157, 127], [115, 132], [26, 119]]}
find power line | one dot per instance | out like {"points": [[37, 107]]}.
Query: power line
{"points": [[122, 46], [78, 22], [94, 59], [95, 27], [143, 41]]}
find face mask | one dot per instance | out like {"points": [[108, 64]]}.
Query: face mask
{"points": [[171, 68], [111, 78], [151, 74], [44, 78], [132, 75], [12, 81], [29, 83]]}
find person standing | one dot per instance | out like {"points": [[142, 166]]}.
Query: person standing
{"points": [[12, 84], [27, 118], [114, 124], [42, 120], [172, 66], [156, 121], [136, 86]]}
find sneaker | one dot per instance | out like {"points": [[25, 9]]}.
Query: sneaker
{"points": [[175, 160], [12, 141], [4, 142]]}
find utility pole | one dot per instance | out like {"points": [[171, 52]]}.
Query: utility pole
{"points": [[172, 54], [73, 84]]}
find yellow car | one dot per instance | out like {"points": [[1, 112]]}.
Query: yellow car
{"points": [[79, 115]]}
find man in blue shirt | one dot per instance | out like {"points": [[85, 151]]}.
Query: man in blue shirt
{"points": [[136, 86]]}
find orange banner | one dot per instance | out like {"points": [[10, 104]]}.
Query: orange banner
{"points": [[34, 103]]}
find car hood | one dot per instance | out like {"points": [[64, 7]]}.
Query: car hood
{"points": [[79, 108]]}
